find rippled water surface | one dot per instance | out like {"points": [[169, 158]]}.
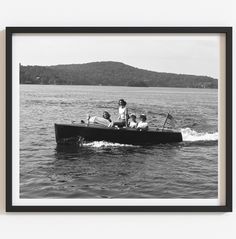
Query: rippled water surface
{"points": [[105, 170]]}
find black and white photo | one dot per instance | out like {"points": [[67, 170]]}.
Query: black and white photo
{"points": [[120, 119]]}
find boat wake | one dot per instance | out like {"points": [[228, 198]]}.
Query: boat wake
{"points": [[191, 135], [104, 144]]}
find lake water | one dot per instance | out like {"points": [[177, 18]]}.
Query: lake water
{"points": [[106, 170]]}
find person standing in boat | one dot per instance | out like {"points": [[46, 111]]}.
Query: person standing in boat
{"points": [[123, 114], [143, 125]]}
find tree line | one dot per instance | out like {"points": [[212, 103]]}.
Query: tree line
{"points": [[110, 73]]}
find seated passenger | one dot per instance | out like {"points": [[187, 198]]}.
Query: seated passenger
{"points": [[143, 125], [133, 123], [106, 116], [104, 120]]}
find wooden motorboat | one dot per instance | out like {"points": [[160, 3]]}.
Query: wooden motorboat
{"points": [[75, 133]]}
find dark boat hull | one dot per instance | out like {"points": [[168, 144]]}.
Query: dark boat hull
{"points": [[72, 133]]}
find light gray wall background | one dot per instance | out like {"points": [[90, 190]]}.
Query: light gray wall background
{"points": [[110, 13]]}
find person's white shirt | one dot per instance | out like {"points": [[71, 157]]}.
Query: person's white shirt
{"points": [[133, 124], [142, 125], [99, 120], [122, 113]]}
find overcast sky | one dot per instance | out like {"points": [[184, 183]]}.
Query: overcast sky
{"points": [[188, 54]]}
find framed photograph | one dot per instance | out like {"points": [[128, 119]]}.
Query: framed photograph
{"points": [[119, 119]]}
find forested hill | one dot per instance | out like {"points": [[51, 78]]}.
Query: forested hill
{"points": [[109, 73]]}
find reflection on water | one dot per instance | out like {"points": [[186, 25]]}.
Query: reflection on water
{"points": [[107, 170]]}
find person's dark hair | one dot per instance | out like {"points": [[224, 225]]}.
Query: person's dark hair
{"points": [[133, 116], [122, 102], [143, 116], [106, 115]]}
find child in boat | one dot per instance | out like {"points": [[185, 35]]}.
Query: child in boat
{"points": [[123, 114], [133, 123], [143, 125], [105, 120]]}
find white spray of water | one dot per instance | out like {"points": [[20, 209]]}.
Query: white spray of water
{"points": [[104, 144], [191, 135]]}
